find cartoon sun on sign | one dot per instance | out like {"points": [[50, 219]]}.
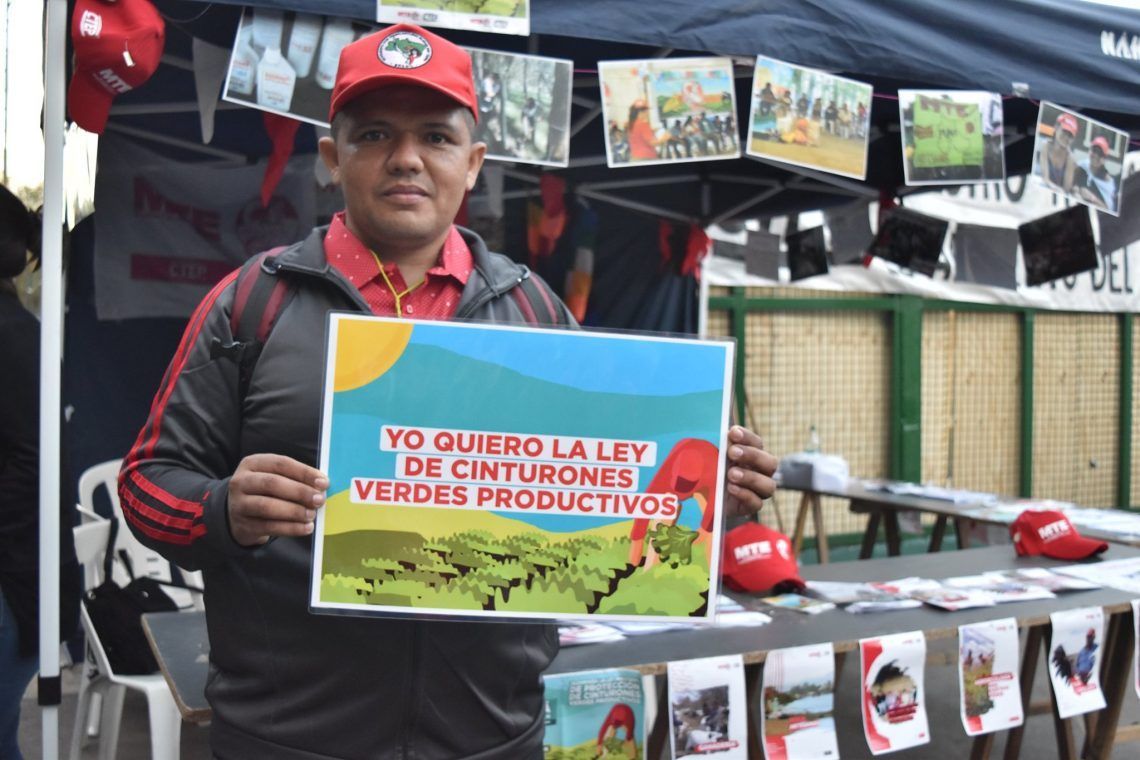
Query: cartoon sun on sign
{"points": [[365, 350]]}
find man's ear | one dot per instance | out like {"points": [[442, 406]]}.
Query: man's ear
{"points": [[475, 163], [327, 148]]}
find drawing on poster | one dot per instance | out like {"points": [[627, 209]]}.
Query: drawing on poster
{"points": [[524, 106], [671, 110], [951, 136], [809, 118]]}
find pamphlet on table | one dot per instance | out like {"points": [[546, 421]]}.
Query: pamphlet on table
{"points": [[495, 472]]}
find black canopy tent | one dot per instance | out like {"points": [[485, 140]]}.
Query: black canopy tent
{"points": [[1081, 54]]}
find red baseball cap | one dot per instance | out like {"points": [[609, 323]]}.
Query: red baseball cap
{"points": [[757, 558], [118, 46], [1102, 143], [404, 54], [1067, 122], [1051, 534]]}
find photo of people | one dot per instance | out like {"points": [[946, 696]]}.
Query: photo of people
{"points": [[700, 720], [951, 137], [708, 708], [499, 16], [894, 698], [285, 62], [1074, 660], [669, 110], [1079, 158], [524, 106], [809, 118]]}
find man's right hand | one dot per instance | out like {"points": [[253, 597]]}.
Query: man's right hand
{"points": [[273, 495]]}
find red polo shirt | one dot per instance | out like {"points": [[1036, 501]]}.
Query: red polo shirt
{"points": [[438, 296]]}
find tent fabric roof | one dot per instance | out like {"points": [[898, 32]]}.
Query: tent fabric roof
{"points": [[1043, 49]]}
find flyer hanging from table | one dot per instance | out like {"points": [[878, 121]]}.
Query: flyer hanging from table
{"points": [[505, 472]]}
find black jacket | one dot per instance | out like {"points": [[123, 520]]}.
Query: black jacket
{"points": [[285, 683]]}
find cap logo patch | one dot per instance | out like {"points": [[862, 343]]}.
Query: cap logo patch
{"points": [[1053, 530], [404, 50], [90, 24], [757, 550]]}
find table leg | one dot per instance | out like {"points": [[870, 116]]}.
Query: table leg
{"points": [[752, 686], [1029, 657], [662, 724], [820, 531], [871, 534], [1115, 683], [982, 746], [937, 534], [801, 519], [894, 542], [961, 533]]}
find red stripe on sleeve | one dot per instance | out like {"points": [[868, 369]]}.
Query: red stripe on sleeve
{"points": [[181, 539], [549, 303], [191, 508], [145, 510], [524, 305]]}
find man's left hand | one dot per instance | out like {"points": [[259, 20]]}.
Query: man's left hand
{"points": [[750, 471]]}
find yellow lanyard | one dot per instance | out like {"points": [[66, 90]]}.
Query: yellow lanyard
{"points": [[391, 287]]}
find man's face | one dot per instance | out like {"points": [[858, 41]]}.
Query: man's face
{"points": [[1064, 136], [403, 156], [1096, 157]]}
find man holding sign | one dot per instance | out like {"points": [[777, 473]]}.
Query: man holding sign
{"points": [[221, 477]]}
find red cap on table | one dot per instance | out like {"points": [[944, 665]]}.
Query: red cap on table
{"points": [[757, 558], [404, 54], [1049, 533], [118, 46]]}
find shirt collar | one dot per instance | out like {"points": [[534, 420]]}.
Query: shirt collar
{"points": [[455, 258]]}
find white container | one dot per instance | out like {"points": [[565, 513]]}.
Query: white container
{"points": [[275, 81], [303, 41], [267, 26], [338, 33], [243, 65]]}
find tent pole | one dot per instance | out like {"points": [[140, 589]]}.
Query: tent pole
{"points": [[51, 347]]}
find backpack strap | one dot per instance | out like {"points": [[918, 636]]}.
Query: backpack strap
{"points": [[538, 304]]}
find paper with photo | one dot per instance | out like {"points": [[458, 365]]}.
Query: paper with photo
{"points": [[497, 16], [951, 137], [893, 692], [709, 708], [668, 111], [524, 106], [593, 714], [988, 657], [1123, 574], [809, 118], [799, 603], [1076, 646], [1079, 158], [799, 703]]}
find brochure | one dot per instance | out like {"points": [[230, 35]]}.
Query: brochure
{"points": [[988, 657], [799, 603], [599, 713], [799, 704], [709, 708], [894, 696], [566, 475], [1074, 662]]}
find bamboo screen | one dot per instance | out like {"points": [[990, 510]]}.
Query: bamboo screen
{"points": [[971, 400], [1076, 408]]}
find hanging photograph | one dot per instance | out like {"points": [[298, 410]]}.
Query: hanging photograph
{"points": [[1058, 245], [524, 106], [894, 697], [951, 136], [799, 704], [668, 110], [809, 118], [987, 675], [1074, 660], [498, 16], [285, 62], [709, 708], [1079, 158]]}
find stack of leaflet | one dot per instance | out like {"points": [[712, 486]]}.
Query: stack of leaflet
{"points": [[955, 495], [861, 597], [574, 634]]}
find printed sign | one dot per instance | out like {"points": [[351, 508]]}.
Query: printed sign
{"points": [[1074, 660], [513, 472], [1079, 158], [951, 136], [809, 118], [709, 708], [894, 697], [594, 714], [799, 704], [668, 110], [498, 16], [988, 655]]}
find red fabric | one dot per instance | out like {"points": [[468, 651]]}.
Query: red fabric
{"points": [[437, 298], [281, 130], [545, 227], [404, 54], [757, 558], [1050, 533], [553, 190], [664, 245], [118, 47], [696, 248]]}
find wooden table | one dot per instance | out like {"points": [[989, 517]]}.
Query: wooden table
{"points": [[882, 508], [179, 640]]}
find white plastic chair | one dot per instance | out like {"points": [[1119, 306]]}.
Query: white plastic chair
{"points": [[101, 690]]}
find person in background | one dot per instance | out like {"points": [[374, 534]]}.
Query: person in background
{"points": [[642, 140], [1098, 186], [19, 481], [1055, 161]]}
